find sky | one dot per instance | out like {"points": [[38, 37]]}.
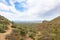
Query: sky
{"points": [[30, 10]]}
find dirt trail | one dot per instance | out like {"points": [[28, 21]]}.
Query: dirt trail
{"points": [[8, 31]]}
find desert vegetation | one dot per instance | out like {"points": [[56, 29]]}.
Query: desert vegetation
{"points": [[47, 30]]}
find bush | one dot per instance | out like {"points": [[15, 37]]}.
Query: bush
{"points": [[3, 28]]}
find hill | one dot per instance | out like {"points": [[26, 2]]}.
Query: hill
{"points": [[4, 20], [51, 29], [3, 24]]}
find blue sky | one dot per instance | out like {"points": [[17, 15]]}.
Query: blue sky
{"points": [[30, 10]]}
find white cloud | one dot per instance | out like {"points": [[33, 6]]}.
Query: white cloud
{"points": [[3, 7], [35, 8]]}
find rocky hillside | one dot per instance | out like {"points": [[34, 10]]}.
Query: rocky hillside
{"points": [[50, 29], [3, 24], [4, 20]]}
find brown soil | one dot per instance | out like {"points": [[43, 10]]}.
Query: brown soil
{"points": [[8, 31]]}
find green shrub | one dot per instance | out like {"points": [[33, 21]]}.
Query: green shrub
{"points": [[3, 28]]}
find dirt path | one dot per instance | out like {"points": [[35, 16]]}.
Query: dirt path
{"points": [[8, 31]]}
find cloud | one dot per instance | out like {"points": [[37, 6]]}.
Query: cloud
{"points": [[51, 13], [29, 10]]}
